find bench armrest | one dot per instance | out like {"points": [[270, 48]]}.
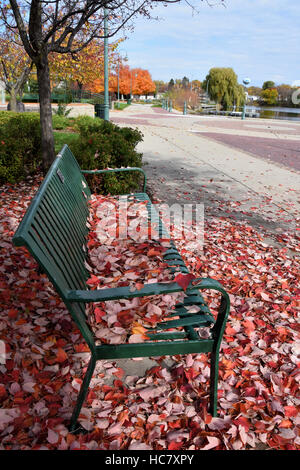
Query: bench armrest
{"points": [[158, 288], [115, 170]]}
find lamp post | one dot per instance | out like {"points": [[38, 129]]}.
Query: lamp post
{"points": [[132, 75], [106, 95], [246, 82], [118, 83], [118, 70]]}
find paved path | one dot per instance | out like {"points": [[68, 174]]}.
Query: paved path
{"points": [[230, 165]]}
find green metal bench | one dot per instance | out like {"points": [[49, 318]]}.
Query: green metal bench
{"points": [[54, 231]]}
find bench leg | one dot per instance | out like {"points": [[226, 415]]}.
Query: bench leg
{"points": [[218, 331], [82, 394], [214, 374]]}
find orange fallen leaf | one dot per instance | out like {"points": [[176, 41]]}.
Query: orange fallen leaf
{"points": [[61, 355]]}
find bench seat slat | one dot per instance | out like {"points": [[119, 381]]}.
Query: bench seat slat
{"points": [[192, 320], [173, 257], [165, 336], [127, 292], [175, 262], [152, 349]]}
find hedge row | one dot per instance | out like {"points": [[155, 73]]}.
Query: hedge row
{"points": [[20, 145], [99, 145]]}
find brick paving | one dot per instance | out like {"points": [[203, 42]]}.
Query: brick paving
{"points": [[282, 151]]}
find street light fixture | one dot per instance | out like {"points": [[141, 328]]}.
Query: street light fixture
{"points": [[246, 82]]}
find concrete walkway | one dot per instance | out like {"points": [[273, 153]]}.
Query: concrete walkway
{"points": [[183, 165]]}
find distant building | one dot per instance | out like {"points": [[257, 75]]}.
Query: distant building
{"points": [[253, 98]]}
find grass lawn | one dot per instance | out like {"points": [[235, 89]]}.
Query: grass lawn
{"points": [[61, 138], [121, 106]]}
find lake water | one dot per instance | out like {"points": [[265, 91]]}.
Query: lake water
{"points": [[288, 114]]}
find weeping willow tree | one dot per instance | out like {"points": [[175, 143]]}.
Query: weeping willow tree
{"points": [[223, 87]]}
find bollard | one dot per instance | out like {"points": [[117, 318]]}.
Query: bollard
{"points": [[170, 106], [184, 107], [244, 112]]}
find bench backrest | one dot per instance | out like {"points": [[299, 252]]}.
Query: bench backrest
{"points": [[54, 227]]}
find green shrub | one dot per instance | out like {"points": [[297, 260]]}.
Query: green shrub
{"points": [[102, 144], [6, 116], [61, 122], [20, 145], [86, 125], [62, 110]]}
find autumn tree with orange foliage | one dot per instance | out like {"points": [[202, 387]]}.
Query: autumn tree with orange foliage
{"points": [[125, 77], [135, 81], [142, 83]]}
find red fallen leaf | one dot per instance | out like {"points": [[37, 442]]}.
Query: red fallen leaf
{"points": [[93, 280], [125, 317], [250, 392], [107, 267], [153, 252], [175, 445], [249, 326], [191, 373], [230, 331], [12, 313], [79, 348], [290, 411], [243, 421], [61, 342], [99, 314], [2, 392], [184, 280], [285, 423], [119, 373], [61, 355], [272, 364]]}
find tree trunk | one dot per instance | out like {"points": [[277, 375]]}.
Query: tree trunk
{"points": [[13, 100], [48, 153], [80, 85]]}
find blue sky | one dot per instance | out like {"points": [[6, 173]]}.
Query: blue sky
{"points": [[259, 39]]}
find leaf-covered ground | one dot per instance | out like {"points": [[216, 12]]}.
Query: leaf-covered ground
{"points": [[42, 368]]}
